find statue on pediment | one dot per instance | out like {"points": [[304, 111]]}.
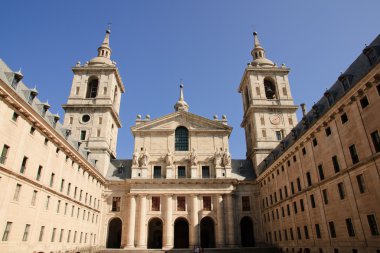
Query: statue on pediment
{"points": [[144, 158], [217, 158], [169, 159], [226, 158], [135, 158], [193, 157]]}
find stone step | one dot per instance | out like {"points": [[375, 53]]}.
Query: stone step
{"points": [[213, 250]]}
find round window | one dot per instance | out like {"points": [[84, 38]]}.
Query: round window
{"points": [[86, 118]]}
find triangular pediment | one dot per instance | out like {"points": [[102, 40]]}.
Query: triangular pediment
{"points": [[191, 121]]}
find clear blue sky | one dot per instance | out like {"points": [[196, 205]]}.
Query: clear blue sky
{"points": [[206, 43]]}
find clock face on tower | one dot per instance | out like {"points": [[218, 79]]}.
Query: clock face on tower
{"points": [[275, 119]]}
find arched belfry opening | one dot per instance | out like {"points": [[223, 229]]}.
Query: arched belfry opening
{"points": [[207, 233], [181, 139], [270, 89], [114, 233], [181, 233], [155, 234], [92, 87], [246, 232]]}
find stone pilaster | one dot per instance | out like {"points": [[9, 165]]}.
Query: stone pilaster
{"points": [[229, 212], [131, 222], [220, 219], [169, 235], [194, 225], [142, 224]]}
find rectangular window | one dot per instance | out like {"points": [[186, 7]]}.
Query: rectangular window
{"points": [[58, 205], [207, 203], [315, 142], [286, 191], [292, 187], [295, 207], [41, 236], [320, 172], [350, 227], [7, 231], [361, 184], [4, 154], [299, 184], [308, 178], [258, 91], [304, 151], [23, 165], [332, 229], [68, 189], [328, 131], [61, 236], [100, 120], [262, 121], [278, 135], [16, 196], [342, 192], [32, 130], [72, 210], [246, 204], [75, 236], [116, 204], [181, 172], [299, 233], [83, 135], [344, 118], [375, 140], [157, 172], [71, 119], [364, 102], [53, 234], [288, 209], [302, 205], [181, 203], [325, 196], [290, 121], [98, 133], [46, 141], [62, 185], [39, 172], [306, 232], [47, 202], [52, 179], [291, 234], [312, 200], [77, 90], [65, 209], [155, 203], [264, 133], [318, 231], [15, 116], [284, 91], [205, 172], [26, 233], [335, 164], [68, 236], [34, 197], [373, 224]]}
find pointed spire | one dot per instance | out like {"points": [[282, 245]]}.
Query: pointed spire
{"points": [[258, 53], [181, 105], [104, 52]]}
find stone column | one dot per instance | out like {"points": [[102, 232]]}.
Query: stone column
{"points": [[220, 228], [230, 226], [142, 226], [168, 243], [132, 222], [194, 225]]}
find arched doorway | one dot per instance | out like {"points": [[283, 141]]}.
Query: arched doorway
{"points": [[207, 233], [155, 234], [114, 233], [181, 233], [246, 232]]}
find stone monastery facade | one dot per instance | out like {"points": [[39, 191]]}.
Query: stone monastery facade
{"points": [[311, 186]]}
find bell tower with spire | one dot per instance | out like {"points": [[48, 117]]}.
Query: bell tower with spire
{"points": [[269, 110], [92, 109]]}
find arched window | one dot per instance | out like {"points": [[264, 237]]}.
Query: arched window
{"points": [[92, 88], [270, 89], [181, 139]]}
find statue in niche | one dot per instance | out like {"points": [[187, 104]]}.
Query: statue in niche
{"points": [[135, 158], [169, 159], [144, 158], [226, 158], [217, 158], [193, 157]]}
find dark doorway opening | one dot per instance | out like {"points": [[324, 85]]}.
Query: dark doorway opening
{"points": [[246, 231], [114, 234], [207, 233], [155, 234], [181, 233]]}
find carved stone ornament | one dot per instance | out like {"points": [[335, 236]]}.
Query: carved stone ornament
{"points": [[193, 157], [226, 159]]}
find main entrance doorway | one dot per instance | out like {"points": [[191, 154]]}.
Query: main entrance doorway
{"points": [[114, 233], [181, 233], [155, 234], [246, 232], [207, 233]]}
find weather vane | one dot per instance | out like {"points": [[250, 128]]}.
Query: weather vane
{"points": [[109, 26]]}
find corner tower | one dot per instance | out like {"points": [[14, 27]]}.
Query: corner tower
{"points": [[92, 109], [269, 110]]}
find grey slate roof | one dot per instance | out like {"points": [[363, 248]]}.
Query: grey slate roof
{"points": [[120, 169], [6, 75], [355, 72]]}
